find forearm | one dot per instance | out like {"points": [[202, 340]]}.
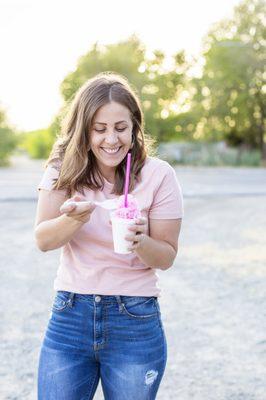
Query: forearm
{"points": [[56, 232], [156, 253]]}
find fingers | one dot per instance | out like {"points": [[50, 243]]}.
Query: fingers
{"points": [[139, 225], [141, 221], [138, 239], [78, 198], [67, 207], [137, 233], [85, 207], [134, 238], [75, 206], [75, 198]]}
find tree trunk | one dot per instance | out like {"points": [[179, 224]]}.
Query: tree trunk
{"points": [[262, 146], [262, 133]]}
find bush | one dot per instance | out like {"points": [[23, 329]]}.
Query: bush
{"points": [[208, 154], [38, 143], [251, 158], [8, 142]]}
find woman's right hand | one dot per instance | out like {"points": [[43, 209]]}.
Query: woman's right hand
{"points": [[79, 212]]}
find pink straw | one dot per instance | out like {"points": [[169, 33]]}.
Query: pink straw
{"points": [[127, 177]]}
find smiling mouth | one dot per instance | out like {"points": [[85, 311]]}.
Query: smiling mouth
{"points": [[111, 151]]}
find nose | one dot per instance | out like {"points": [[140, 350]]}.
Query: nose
{"points": [[111, 138]]}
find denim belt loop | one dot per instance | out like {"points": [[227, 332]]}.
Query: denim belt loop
{"points": [[71, 299], [119, 301]]}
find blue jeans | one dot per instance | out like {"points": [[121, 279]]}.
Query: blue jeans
{"points": [[119, 339]]}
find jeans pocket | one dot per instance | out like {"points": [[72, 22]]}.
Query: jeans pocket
{"points": [[61, 301], [140, 307]]}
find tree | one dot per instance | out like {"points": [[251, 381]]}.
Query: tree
{"points": [[157, 86], [123, 57], [230, 94], [37, 143], [7, 139]]}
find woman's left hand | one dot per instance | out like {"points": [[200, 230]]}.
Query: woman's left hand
{"points": [[137, 234]]}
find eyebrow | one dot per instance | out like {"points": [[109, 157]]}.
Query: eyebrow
{"points": [[103, 123]]}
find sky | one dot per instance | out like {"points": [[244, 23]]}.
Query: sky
{"points": [[42, 40]]}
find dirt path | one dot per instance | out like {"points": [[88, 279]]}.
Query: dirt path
{"points": [[213, 300]]}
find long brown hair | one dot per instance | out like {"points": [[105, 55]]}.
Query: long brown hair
{"points": [[71, 153]]}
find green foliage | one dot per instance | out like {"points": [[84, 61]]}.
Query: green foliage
{"points": [[8, 140], [123, 57], [226, 103], [156, 86], [205, 153], [229, 96], [37, 143]]}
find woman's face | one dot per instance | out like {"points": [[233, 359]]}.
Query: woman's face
{"points": [[111, 136]]}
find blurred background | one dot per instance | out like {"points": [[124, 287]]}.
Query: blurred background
{"points": [[199, 70]]}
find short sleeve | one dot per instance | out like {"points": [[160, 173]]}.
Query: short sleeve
{"points": [[168, 198], [48, 179]]}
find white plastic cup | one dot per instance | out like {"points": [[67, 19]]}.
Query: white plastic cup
{"points": [[120, 230]]}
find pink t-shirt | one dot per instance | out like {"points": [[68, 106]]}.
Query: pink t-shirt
{"points": [[88, 263]]}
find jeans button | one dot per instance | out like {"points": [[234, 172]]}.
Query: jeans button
{"points": [[97, 299]]}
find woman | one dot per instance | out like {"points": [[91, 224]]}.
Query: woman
{"points": [[105, 320]]}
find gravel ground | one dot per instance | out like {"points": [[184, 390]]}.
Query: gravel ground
{"points": [[213, 299]]}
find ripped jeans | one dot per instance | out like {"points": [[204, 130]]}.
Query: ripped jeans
{"points": [[119, 340]]}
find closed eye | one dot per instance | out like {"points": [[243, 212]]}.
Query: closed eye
{"points": [[103, 130]]}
